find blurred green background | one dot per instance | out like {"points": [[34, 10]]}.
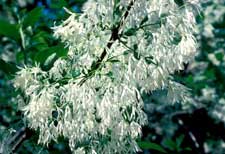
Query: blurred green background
{"points": [[193, 128]]}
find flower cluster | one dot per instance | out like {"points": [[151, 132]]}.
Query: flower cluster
{"points": [[118, 49]]}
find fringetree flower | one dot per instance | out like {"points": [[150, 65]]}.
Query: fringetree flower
{"points": [[118, 49]]}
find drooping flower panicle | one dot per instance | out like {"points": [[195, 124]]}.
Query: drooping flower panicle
{"points": [[118, 49]]}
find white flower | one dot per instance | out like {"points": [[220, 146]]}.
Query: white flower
{"points": [[117, 51], [60, 66], [177, 93], [79, 151]]}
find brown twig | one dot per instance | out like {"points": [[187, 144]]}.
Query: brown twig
{"points": [[113, 38]]}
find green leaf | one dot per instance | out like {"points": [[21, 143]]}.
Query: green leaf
{"points": [[109, 74], [114, 60], [61, 50], [39, 42], [43, 55], [149, 60], [41, 37], [144, 20], [151, 146], [75, 73], [130, 32], [19, 56], [126, 52], [219, 56], [179, 2], [117, 13], [135, 46], [179, 140], [170, 144], [116, 2], [210, 74], [148, 36], [176, 38], [49, 62], [32, 17], [9, 30], [136, 54], [57, 4], [7, 68]]}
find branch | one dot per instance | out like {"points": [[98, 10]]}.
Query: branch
{"points": [[18, 138], [115, 33], [113, 38]]}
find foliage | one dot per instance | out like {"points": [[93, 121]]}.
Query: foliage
{"points": [[27, 41], [100, 110]]}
